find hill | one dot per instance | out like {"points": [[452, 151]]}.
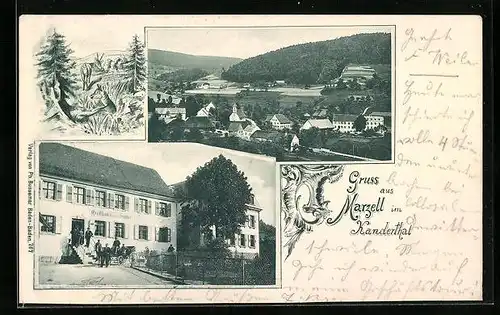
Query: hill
{"points": [[315, 62], [175, 60]]}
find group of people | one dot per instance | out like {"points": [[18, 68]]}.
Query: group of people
{"points": [[79, 238], [103, 253]]}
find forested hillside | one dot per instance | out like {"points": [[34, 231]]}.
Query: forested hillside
{"points": [[186, 61], [316, 62]]}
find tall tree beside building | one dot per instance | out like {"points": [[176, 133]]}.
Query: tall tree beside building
{"points": [[135, 65], [55, 63], [216, 194]]}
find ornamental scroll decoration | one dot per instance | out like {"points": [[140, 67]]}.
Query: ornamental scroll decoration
{"points": [[302, 198]]}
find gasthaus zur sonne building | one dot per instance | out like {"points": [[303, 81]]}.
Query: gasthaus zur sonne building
{"points": [[80, 189]]}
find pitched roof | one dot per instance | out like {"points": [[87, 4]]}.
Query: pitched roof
{"points": [[320, 123], [199, 122], [171, 110], [66, 161], [383, 114], [234, 127], [283, 119], [267, 135], [344, 117], [320, 113]]}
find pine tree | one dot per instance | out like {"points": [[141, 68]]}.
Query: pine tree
{"points": [[54, 62], [135, 65]]}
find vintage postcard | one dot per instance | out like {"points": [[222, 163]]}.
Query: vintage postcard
{"points": [[250, 159]]}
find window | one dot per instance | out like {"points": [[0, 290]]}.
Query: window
{"points": [[165, 209], [100, 228], [251, 221], [242, 240], [252, 199], [48, 223], [143, 232], [120, 202], [164, 235], [49, 190], [120, 230], [252, 241], [143, 205], [101, 198], [80, 195]]}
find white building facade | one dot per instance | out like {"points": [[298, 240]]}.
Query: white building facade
{"points": [[135, 214]]}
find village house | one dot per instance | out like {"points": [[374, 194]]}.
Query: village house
{"points": [[167, 114], [237, 115], [357, 71], [323, 124], [386, 118], [243, 129], [359, 98], [201, 123], [80, 189], [205, 111], [344, 122], [295, 143], [279, 121], [162, 98], [320, 113], [244, 244]]}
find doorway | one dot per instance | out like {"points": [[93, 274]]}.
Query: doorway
{"points": [[76, 226]]}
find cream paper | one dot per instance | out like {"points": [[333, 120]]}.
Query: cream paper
{"points": [[429, 198]]}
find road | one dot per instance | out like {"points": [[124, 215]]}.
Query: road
{"points": [[91, 275]]}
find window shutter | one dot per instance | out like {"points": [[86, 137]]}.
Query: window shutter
{"points": [[69, 193], [109, 229], [151, 232], [157, 208], [88, 196], [58, 225], [59, 192], [169, 235], [111, 197], [125, 231], [149, 207], [136, 232], [127, 203], [40, 189], [169, 209], [157, 231], [136, 201]]}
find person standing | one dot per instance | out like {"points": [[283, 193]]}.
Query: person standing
{"points": [[98, 252], [74, 237], [81, 237], [107, 255], [88, 236], [116, 245]]}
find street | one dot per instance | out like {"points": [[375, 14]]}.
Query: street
{"points": [[91, 275]]}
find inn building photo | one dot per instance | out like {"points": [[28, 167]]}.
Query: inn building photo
{"points": [[118, 219]]}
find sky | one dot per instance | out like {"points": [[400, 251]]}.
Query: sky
{"points": [[175, 161], [243, 42], [90, 34]]}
